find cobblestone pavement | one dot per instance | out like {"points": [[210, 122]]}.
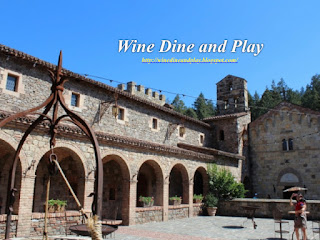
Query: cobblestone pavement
{"points": [[202, 228], [206, 228]]}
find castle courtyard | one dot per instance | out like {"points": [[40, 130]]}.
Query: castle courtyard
{"points": [[202, 228]]}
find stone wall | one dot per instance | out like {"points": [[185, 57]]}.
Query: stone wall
{"points": [[197, 209], [179, 211], [58, 223], [149, 214], [266, 206]]}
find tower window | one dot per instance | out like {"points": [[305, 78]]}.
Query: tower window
{"points": [[221, 135], [226, 104], [230, 87], [236, 103]]}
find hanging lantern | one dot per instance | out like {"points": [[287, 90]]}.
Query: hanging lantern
{"points": [[182, 130], [115, 111]]}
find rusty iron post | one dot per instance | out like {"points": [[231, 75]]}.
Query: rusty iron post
{"points": [[55, 100]]}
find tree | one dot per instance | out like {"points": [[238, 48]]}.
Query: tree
{"points": [[179, 105], [191, 113], [203, 107], [310, 98], [253, 103], [223, 185]]}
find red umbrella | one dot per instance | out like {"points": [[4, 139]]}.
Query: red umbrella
{"points": [[295, 189]]}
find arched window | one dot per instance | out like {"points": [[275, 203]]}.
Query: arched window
{"points": [[226, 104], [290, 144], [284, 145]]}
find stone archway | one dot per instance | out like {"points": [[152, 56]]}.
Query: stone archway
{"points": [[288, 178], [6, 160], [200, 181], [116, 185], [150, 182], [73, 169], [179, 183]]}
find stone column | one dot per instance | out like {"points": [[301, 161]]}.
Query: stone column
{"points": [[88, 188], [191, 198], [125, 208], [132, 201], [25, 205], [165, 211]]}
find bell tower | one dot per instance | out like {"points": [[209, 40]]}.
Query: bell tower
{"points": [[232, 95]]}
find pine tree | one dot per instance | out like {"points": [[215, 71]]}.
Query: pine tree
{"points": [[191, 113], [179, 105], [203, 108]]}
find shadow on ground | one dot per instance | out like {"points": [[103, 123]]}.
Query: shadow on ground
{"points": [[233, 227]]}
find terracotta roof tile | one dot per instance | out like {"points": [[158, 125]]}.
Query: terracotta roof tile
{"points": [[220, 117]]}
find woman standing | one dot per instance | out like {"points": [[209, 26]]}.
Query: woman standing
{"points": [[300, 219]]}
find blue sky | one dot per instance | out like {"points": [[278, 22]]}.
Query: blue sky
{"points": [[88, 34]]}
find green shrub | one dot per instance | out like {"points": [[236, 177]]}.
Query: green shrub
{"points": [[57, 202], [223, 185], [197, 197], [211, 200], [175, 198], [146, 200]]}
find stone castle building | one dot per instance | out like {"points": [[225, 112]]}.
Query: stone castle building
{"points": [[284, 151], [147, 150]]}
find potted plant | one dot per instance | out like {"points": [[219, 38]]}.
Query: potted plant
{"points": [[56, 205], [211, 203], [175, 200], [146, 201], [197, 198]]}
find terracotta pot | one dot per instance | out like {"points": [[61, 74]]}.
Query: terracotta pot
{"points": [[175, 202], [212, 211], [197, 200], [150, 204]]}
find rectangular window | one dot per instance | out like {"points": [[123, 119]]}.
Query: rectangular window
{"points": [[12, 83], [221, 135], [75, 100], [155, 123], [121, 114]]}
